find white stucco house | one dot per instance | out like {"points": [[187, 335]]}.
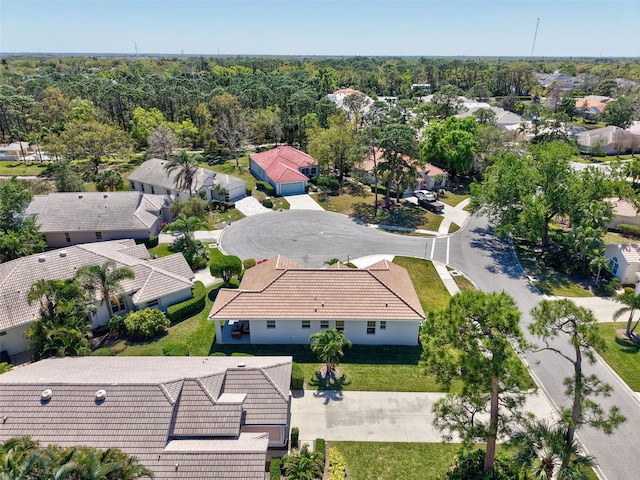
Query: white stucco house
{"points": [[158, 283], [151, 177], [624, 262], [285, 168], [624, 212], [282, 302], [83, 217]]}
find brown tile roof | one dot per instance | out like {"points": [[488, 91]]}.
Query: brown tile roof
{"points": [[382, 291], [153, 278], [164, 410]]}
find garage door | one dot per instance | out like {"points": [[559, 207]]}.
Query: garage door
{"points": [[292, 188]]}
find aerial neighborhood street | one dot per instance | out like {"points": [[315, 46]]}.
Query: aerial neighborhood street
{"points": [[319, 240]]}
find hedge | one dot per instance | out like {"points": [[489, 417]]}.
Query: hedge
{"points": [[627, 229], [267, 202], [266, 187], [295, 435], [321, 448], [275, 468], [141, 324], [297, 377], [187, 308]]}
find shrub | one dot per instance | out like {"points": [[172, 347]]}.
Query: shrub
{"points": [[297, 377], [116, 325], [266, 187], [267, 202], [5, 367], [320, 447], [146, 323], [149, 243], [225, 267], [337, 465], [176, 349], [223, 207], [195, 253], [189, 307], [275, 468], [632, 230], [328, 183], [468, 465], [295, 435], [249, 263]]}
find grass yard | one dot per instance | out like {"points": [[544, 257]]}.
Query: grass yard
{"points": [[162, 250], [431, 291], [9, 168], [342, 203], [197, 332], [548, 281], [621, 354], [464, 284], [611, 238], [454, 227], [452, 199]]}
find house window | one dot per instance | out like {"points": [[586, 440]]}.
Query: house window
{"points": [[132, 185], [371, 328], [142, 187], [152, 189], [67, 237], [306, 323], [324, 323], [271, 324], [153, 304], [383, 325], [118, 305], [613, 263], [98, 235], [168, 192], [340, 325]]}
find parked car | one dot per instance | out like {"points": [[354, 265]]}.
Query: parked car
{"points": [[425, 195], [431, 205]]}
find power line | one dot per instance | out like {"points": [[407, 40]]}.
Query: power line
{"points": [[535, 35]]}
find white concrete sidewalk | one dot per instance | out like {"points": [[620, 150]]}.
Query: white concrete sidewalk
{"points": [[602, 307], [302, 202], [456, 215], [447, 279]]}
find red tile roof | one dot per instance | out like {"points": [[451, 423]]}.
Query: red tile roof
{"points": [[367, 164], [282, 164]]}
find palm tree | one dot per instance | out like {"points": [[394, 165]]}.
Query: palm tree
{"points": [[105, 278], [304, 465], [186, 225], [329, 346], [109, 180], [541, 449], [631, 303], [599, 263], [186, 166]]}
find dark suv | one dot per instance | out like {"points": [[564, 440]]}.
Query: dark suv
{"points": [[432, 205]]}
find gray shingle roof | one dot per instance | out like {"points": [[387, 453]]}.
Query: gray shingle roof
{"points": [[160, 409], [96, 211], [152, 280]]}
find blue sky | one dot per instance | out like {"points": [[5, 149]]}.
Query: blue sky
{"points": [[322, 27]]}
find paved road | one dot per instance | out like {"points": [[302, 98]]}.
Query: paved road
{"points": [[491, 264], [313, 237]]}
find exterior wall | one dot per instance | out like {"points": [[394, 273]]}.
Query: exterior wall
{"points": [[147, 188], [277, 436], [291, 332], [168, 300], [13, 341], [257, 171], [618, 219], [237, 191], [626, 272], [290, 188], [58, 239]]}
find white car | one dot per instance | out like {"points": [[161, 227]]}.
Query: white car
{"points": [[425, 195]]}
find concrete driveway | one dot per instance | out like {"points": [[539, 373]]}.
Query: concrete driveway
{"points": [[376, 416], [303, 202]]}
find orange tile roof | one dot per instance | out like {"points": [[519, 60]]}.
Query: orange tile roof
{"points": [[277, 290], [282, 164], [367, 164]]}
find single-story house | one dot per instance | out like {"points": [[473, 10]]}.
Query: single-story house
{"points": [[72, 218], [505, 119], [192, 418], [151, 177], [430, 176], [284, 302], [612, 139], [624, 262], [338, 97], [625, 212], [16, 151], [158, 283], [287, 169]]}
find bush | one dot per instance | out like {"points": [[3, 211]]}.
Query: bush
{"points": [[249, 263], [631, 230], [321, 447], [145, 323], [330, 184], [295, 435], [468, 465], [195, 253], [225, 267], [222, 207], [266, 187], [176, 349], [5, 367], [267, 202], [189, 307], [149, 243], [275, 468], [117, 325], [297, 377], [608, 289], [337, 465]]}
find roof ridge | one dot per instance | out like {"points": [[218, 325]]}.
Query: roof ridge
{"points": [[394, 293], [17, 262], [270, 380]]}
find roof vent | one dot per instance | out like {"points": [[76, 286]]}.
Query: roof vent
{"points": [[80, 196], [46, 395], [100, 395], [63, 253], [42, 258], [242, 365], [105, 195]]}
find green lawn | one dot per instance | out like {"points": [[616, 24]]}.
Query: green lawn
{"points": [[611, 238], [196, 331], [452, 199], [431, 291], [621, 354], [406, 461], [162, 250], [23, 169]]}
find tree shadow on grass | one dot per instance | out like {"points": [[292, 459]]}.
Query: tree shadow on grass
{"points": [[627, 346], [329, 387]]}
